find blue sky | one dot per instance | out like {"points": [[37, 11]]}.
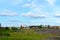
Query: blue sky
{"points": [[29, 12]]}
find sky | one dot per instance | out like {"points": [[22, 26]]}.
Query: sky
{"points": [[29, 12]]}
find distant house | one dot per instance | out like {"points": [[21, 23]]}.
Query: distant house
{"points": [[56, 27], [23, 26]]}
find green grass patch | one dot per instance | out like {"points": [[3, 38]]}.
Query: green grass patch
{"points": [[25, 35]]}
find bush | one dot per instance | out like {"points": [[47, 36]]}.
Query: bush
{"points": [[4, 34]]}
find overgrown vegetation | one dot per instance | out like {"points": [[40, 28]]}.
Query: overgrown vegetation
{"points": [[13, 33], [24, 35]]}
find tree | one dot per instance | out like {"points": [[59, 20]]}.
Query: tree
{"points": [[40, 26], [7, 28], [48, 26], [14, 28]]}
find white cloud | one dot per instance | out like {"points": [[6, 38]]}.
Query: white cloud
{"points": [[31, 4], [29, 14], [51, 2], [17, 2], [57, 15], [26, 5], [7, 13], [36, 10], [33, 15], [34, 7]]}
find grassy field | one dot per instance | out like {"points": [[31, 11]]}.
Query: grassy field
{"points": [[25, 34]]}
